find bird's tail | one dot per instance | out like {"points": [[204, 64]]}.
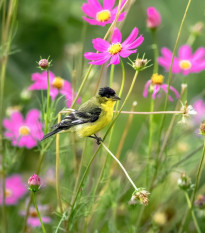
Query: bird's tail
{"points": [[55, 131]]}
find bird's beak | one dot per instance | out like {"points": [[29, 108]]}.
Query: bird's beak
{"points": [[115, 98]]}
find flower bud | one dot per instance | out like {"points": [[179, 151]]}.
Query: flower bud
{"points": [[184, 182], [139, 196], [153, 18], [43, 63], [197, 28], [34, 183]]}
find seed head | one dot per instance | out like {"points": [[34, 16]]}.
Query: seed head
{"points": [[139, 196]]}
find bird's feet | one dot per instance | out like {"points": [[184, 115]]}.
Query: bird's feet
{"points": [[98, 139]]}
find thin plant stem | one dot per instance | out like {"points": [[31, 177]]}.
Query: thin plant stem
{"points": [[198, 176], [124, 170], [170, 71], [150, 141], [112, 74], [156, 52], [99, 78], [48, 104], [192, 212], [152, 113], [39, 216], [57, 167], [124, 135]]}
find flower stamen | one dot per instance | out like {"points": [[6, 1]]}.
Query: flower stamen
{"points": [[115, 48], [58, 82], [157, 79], [185, 64], [24, 130], [103, 16]]}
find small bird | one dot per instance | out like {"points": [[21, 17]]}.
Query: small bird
{"points": [[91, 117]]}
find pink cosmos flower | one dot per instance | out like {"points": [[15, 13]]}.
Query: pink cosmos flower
{"points": [[156, 84], [99, 15], [15, 190], [186, 62], [57, 85], [153, 18], [115, 49], [33, 219], [24, 132], [199, 107], [34, 183]]}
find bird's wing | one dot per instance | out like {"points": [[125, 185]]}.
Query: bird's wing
{"points": [[78, 117]]}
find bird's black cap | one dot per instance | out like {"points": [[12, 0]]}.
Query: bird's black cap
{"points": [[106, 92]]}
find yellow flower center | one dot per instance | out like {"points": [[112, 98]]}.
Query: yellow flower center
{"points": [[185, 64], [24, 130], [157, 79], [8, 193], [103, 16], [58, 82], [115, 48]]}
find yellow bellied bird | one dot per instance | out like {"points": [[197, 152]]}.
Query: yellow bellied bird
{"points": [[91, 117]]}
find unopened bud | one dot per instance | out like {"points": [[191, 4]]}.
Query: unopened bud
{"points": [[43, 63], [197, 28], [184, 182], [34, 183]]}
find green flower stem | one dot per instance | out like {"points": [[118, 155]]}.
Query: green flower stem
{"points": [[156, 51], [192, 212], [39, 216], [124, 170], [150, 141], [111, 75], [198, 176], [152, 113], [170, 72], [48, 104]]}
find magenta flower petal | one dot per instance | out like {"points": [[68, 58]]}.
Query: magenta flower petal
{"points": [[185, 52], [175, 92], [100, 61], [131, 37], [116, 36], [166, 53], [88, 10], [108, 4], [94, 56], [126, 53], [199, 54], [95, 3], [33, 116], [115, 59], [136, 43], [155, 91], [146, 88], [100, 44]]}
